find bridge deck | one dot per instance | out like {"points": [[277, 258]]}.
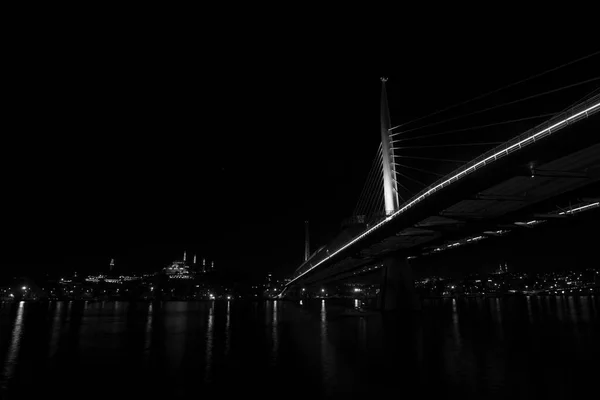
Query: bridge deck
{"points": [[483, 197]]}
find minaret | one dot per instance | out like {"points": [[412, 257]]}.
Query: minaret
{"points": [[112, 265], [306, 242], [212, 266], [184, 256], [390, 188], [194, 259]]}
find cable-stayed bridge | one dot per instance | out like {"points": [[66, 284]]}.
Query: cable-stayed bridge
{"points": [[547, 172]]}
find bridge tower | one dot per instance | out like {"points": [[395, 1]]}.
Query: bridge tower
{"points": [[397, 284], [306, 242], [390, 188]]}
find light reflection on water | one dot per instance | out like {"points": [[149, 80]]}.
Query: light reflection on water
{"points": [[549, 306], [586, 315], [362, 333], [479, 348], [15, 346], [274, 333], [175, 322], [228, 330], [327, 360], [496, 307], [58, 311], [208, 376], [572, 310], [560, 308], [455, 324], [148, 341]]}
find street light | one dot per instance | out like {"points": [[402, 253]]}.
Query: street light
{"points": [[24, 288]]}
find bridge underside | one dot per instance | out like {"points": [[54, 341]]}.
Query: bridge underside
{"points": [[531, 187]]}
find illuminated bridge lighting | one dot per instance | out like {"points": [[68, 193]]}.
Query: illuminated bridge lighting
{"points": [[494, 156], [529, 223], [458, 243], [579, 209], [476, 238]]}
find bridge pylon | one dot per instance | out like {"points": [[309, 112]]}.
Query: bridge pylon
{"points": [[306, 242], [397, 291], [390, 188]]}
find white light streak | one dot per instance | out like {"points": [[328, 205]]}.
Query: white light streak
{"points": [[15, 346], [473, 239], [529, 223], [579, 209]]}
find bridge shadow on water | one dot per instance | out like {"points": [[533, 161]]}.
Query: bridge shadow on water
{"points": [[537, 347]]}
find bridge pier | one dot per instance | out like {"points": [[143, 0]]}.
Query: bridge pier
{"points": [[397, 291]]}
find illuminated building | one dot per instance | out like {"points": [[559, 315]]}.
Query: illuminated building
{"points": [[180, 269]]}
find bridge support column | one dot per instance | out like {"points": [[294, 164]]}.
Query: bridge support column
{"points": [[397, 290]]}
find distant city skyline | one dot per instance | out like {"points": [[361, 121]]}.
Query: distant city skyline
{"points": [[525, 250]]}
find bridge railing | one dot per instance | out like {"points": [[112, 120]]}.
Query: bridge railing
{"points": [[567, 117]]}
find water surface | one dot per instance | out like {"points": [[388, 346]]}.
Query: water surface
{"points": [[536, 347]]}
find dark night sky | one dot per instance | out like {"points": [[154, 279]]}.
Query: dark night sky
{"points": [[140, 147]]}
